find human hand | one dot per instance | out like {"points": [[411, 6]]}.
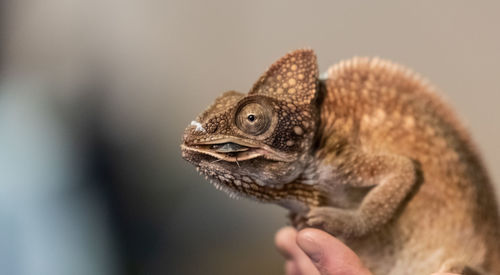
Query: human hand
{"points": [[312, 251], [315, 252]]}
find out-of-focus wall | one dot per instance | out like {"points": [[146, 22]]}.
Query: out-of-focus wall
{"points": [[142, 70]]}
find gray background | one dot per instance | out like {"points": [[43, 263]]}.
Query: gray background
{"points": [[157, 64]]}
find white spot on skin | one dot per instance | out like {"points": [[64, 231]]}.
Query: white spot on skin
{"points": [[199, 127]]}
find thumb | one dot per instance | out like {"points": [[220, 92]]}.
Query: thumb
{"points": [[328, 254]]}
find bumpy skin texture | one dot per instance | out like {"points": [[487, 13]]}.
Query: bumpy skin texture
{"points": [[369, 154]]}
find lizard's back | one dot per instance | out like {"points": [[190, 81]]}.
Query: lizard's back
{"points": [[451, 216]]}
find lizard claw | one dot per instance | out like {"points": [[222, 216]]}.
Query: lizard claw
{"points": [[317, 217], [298, 221], [333, 220]]}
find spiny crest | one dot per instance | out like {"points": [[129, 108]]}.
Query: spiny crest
{"points": [[360, 75], [293, 77], [365, 73], [384, 70]]}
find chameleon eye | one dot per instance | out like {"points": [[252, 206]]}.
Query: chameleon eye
{"points": [[253, 118]]}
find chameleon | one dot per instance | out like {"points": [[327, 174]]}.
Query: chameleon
{"points": [[368, 152]]}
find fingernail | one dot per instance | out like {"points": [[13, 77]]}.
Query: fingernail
{"points": [[309, 245]]}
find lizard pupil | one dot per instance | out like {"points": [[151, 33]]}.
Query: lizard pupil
{"points": [[251, 118]]}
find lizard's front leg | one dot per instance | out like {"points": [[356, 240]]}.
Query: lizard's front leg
{"points": [[392, 176]]}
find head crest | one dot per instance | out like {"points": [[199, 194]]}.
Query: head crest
{"points": [[293, 76]]}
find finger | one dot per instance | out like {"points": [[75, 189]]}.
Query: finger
{"points": [[300, 263], [291, 268], [285, 242], [328, 254]]}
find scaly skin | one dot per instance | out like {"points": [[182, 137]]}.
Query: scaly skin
{"points": [[369, 154]]}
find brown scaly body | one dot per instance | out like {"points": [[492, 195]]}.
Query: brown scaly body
{"points": [[369, 154]]}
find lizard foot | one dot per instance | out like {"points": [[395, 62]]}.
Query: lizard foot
{"points": [[298, 220], [333, 220]]}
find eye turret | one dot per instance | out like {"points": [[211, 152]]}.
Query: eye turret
{"points": [[253, 118]]}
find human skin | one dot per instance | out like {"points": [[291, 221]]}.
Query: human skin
{"points": [[315, 252]]}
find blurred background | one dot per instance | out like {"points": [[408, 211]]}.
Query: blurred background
{"points": [[95, 94]]}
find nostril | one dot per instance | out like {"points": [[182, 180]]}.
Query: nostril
{"points": [[212, 128]]}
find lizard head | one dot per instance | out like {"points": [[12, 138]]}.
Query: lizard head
{"points": [[257, 144]]}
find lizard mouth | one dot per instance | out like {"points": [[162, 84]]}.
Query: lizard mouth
{"points": [[232, 150]]}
